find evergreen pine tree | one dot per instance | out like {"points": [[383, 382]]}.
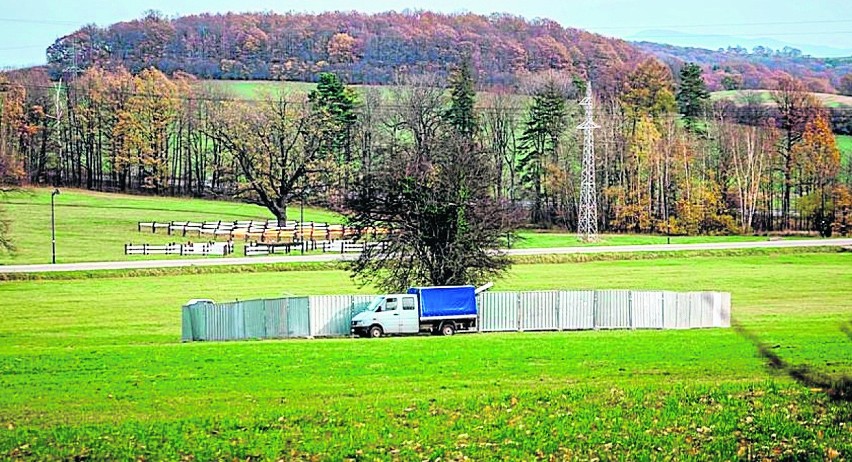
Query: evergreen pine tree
{"points": [[336, 104], [461, 114], [692, 93], [540, 139]]}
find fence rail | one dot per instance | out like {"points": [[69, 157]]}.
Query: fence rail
{"points": [[201, 248], [331, 315]]}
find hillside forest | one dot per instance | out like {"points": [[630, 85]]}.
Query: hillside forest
{"points": [[668, 161], [376, 48]]}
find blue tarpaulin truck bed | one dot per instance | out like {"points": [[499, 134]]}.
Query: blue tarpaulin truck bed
{"points": [[445, 301]]}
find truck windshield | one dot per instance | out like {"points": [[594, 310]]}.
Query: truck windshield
{"points": [[376, 303]]}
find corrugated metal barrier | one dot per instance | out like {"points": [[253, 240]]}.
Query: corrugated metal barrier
{"points": [[330, 315]]}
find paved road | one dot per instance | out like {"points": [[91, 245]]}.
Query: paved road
{"points": [[144, 264]]}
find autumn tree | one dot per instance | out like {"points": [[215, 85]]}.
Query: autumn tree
{"points": [[692, 94], [144, 129], [845, 87], [750, 149], [498, 127], [818, 157], [11, 118], [646, 190], [275, 145], [796, 108], [12, 121], [418, 104], [648, 91]]}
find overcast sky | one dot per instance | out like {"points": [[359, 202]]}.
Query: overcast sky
{"points": [[815, 26]]}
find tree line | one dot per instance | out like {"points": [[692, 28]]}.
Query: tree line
{"points": [[668, 160]]}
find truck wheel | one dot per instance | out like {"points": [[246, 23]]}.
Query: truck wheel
{"points": [[448, 329], [376, 332]]}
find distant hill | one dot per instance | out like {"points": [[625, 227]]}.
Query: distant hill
{"points": [[738, 68], [711, 41], [376, 48], [370, 49]]}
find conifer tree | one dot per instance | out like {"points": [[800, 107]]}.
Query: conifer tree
{"points": [[461, 114], [692, 94]]}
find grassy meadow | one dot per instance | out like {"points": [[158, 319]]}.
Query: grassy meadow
{"points": [[765, 97], [844, 143], [93, 226], [92, 368]]}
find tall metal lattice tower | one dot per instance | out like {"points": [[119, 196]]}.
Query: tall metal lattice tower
{"points": [[588, 213]]}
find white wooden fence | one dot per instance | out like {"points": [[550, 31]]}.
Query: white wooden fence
{"points": [[200, 248]]}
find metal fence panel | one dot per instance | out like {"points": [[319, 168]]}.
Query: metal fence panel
{"points": [[238, 322], [498, 311], [254, 319], [700, 311], [669, 310], [330, 315], [682, 311], [724, 311], [709, 303], [198, 315], [226, 321], [539, 310], [647, 310], [612, 309], [577, 309], [298, 317], [217, 321], [186, 324], [275, 318]]}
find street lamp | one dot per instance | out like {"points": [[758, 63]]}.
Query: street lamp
{"points": [[53, 223]]}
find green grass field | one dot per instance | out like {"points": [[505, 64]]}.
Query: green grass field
{"points": [[765, 97], [92, 368], [94, 226], [844, 143], [254, 89], [259, 89]]}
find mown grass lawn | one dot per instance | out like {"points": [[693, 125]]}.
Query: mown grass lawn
{"points": [[94, 226], [92, 368]]}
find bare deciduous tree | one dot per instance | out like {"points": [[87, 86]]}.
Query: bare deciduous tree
{"points": [[274, 146]]}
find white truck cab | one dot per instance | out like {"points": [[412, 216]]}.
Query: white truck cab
{"points": [[389, 314], [434, 309]]}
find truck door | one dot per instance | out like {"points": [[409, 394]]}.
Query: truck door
{"points": [[409, 318], [390, 315]]}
